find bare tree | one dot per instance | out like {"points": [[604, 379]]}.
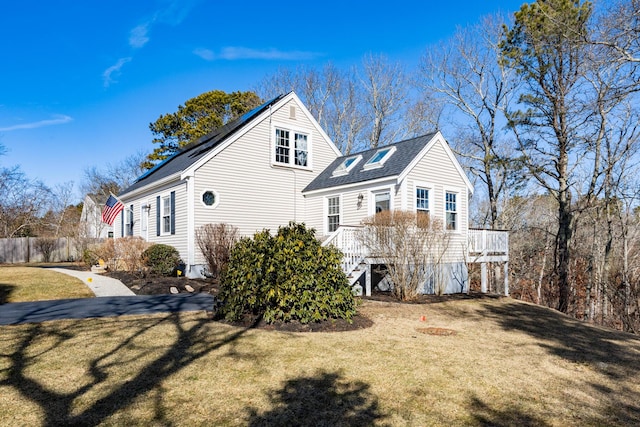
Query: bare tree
{"points": [[216, 242], [412, 248], [466, 76], [113, 177], [22, 204], [618, 29], [385, 86]]}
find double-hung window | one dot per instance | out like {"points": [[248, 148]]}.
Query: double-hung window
{"points": [[166, 214], [301, 149], [291, 148], [333, 213], [451, 208], [422, 200], [282, 146]]}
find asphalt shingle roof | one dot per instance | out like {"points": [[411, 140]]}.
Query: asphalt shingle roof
{"points": [[405, 152], [194, 151]]}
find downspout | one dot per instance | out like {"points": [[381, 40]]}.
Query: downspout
{"points": [[191, 257]]}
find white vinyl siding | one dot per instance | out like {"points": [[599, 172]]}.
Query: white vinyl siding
{"points": [[254, 191], [439, 172]]}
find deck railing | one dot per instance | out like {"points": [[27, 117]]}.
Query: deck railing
{"points": [[488, 241], [481, 242]]}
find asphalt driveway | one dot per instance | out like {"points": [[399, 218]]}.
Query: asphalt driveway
{"points": [[83, 308], [113, 298]]}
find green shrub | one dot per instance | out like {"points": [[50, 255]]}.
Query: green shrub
{"points": [[286, 277], [162, 259]]}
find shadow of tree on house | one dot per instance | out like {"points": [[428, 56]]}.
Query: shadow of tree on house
{"points": [[193, 340], [322, 399]]}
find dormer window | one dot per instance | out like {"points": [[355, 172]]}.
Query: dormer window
{"points": [[379, 158], [347, 164]]}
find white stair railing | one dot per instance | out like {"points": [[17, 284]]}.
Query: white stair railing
{"points": [[346, 239]]}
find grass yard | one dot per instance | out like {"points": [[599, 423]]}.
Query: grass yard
{"points": [[508, 363], [21, 284]]}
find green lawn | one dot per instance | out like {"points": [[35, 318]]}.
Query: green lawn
{"points": [[509, 363], [20, 284]]}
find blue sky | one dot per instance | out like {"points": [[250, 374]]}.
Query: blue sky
{"points": [[80, 81]]}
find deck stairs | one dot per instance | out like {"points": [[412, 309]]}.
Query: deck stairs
{"points": [[354, 262]]}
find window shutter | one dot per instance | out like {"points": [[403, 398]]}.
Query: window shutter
{"points": [[173, 212], [158, 216], [122, 223]]}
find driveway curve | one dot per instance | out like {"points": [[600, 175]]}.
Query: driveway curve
{"points": [[84, 308], [113, 298]]}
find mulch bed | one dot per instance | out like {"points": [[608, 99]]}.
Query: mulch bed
{"points": [[159, 285]]}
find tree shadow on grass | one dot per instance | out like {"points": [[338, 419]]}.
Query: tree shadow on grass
{"points": [[484, 415], [324, 399], [5, 292], [193, 340], [613, 354], [608, 351]]}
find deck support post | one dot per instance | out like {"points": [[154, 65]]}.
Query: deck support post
{"points": [[483, 277], [506, 278], [367, 280]]}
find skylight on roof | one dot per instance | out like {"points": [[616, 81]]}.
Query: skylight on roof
{"points": [[346, 165], [379, 158]]}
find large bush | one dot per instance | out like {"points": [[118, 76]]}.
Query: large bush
{"points": [[286, 277], [162, 259]]}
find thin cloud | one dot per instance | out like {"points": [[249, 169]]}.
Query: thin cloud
{"points": [[205, 54], [108, 76], [59, 119], [138, 37], [173, 15], [233, 53]]}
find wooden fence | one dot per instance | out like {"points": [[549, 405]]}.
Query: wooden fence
{"points": [[30, 249]]}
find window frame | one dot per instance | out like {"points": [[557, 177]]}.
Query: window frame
{"points": [[216, 195], [380, 190], [128, 220], [165, 205], [329, 214], [290, 155], [417, 198], [454, 213]]}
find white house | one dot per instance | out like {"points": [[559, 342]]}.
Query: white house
{"points": [[275, 164], [91, 225]]}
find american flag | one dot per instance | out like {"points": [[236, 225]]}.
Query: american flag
{"points": [[111, 209]]}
